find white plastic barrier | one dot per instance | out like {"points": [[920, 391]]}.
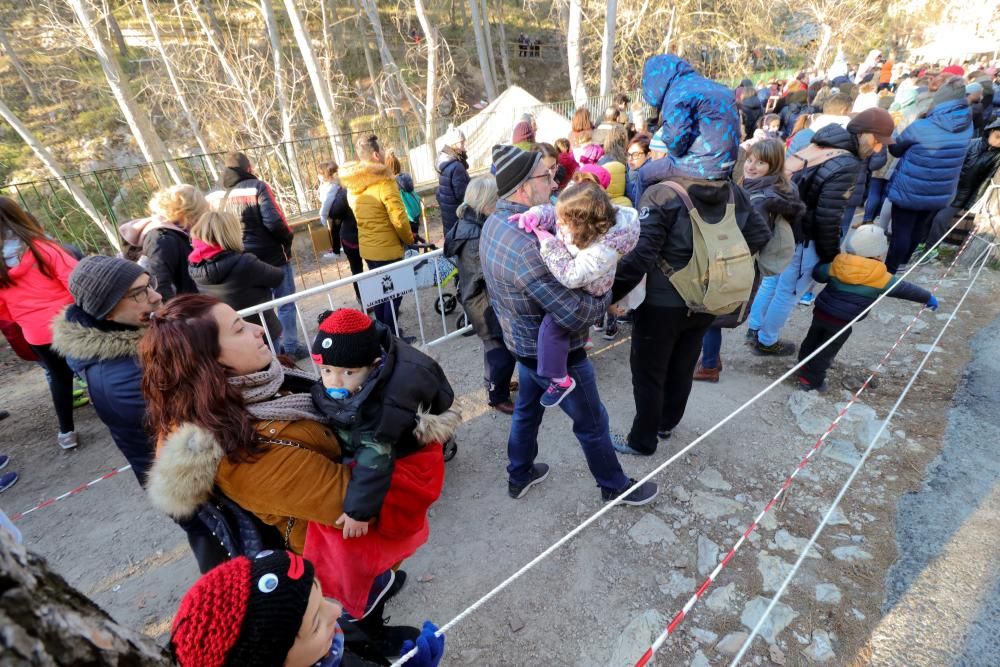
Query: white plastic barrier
{"points": [[410, 276]]}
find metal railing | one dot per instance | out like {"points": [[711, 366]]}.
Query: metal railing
{"points": [[412, 275]]}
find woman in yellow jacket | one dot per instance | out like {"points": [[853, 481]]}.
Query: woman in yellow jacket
{"points": [[383, 226]]}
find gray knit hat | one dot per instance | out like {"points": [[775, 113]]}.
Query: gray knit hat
{"points": [[99, 282], [513, 166]]}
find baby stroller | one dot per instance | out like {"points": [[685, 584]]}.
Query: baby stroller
{"points": [[438, 271]]}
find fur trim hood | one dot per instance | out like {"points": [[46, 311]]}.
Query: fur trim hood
{"points": [[183, 475], [359, 176], [78, 341]]}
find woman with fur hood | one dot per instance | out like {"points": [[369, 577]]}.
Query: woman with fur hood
{"points": [[229, 418]]}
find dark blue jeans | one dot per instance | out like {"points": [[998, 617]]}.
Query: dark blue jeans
{"points": [[876, 195], [590, 425], [711, 345], [553, 348]]}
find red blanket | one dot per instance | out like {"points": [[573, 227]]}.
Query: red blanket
{"points": [[347, 568]]}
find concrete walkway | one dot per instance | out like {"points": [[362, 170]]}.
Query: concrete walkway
{"points": [[943, 594]]}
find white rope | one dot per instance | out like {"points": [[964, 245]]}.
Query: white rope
{"points": [[982, 261], [663, 466]]}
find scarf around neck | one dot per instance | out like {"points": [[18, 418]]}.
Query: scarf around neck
{"points": [[260, 392]]}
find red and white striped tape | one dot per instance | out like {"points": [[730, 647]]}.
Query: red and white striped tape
{"points": [[78, 490], [710, 579]]}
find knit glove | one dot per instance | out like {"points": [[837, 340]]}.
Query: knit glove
{"points": [[527, 221], [430, 647], [543, 235], [932, 303]]}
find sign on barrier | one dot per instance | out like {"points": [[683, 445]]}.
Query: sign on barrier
{"points": [[381, 288]]}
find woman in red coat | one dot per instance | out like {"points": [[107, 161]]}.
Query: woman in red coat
{"points": [[34, 288]]}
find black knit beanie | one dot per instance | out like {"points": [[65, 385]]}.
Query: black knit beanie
{"points": [[348, 339], [513, 166]]}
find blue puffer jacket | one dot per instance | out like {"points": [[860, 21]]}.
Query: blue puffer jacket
{"points": [[932, 151], [454, 171], [700, 118], [105, 356]]}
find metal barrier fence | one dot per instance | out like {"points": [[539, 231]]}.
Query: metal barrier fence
{"points": [[402, 279]]}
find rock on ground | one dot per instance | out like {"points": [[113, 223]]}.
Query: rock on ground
{"points": [[731, 643], [841, 451], [712, 479], [821, 649], [699, 660], [708, 555], [678, 585], [827, 594], [637, 636], [788, 542], [777, 621], [721, 599], [851, 553], [713, 507], [773, 570], [651, 529]]}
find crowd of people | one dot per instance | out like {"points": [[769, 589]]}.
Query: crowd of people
{"points": [[724, 208]]}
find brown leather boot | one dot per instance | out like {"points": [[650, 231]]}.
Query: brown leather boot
{"points": [[702, 374]]}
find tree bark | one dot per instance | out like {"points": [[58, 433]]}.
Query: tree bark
{"points": [[115, 31], [22, 73], [287, 135], [489, 85], [72, 188], [181, 99], [142, 127], [484, 13], [48, 622], [369, 61], [608, 48], [824, 45], [575, 63], [432, 43], [319, 84], [670, 30], [504, 48], [389, 63]]}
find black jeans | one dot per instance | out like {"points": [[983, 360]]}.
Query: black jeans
{"points": [[384, 311], [666, 343], [499, 366], [819, 332], [353, 254], [60, 378], [909, 229]]}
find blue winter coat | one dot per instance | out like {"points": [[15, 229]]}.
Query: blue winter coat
{"points": [[106, 359], [699, 117], [452, 183], [932, 150]]}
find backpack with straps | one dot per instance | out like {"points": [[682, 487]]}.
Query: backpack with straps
{"points": [[719, 278], [800, 167], [775, 257]]}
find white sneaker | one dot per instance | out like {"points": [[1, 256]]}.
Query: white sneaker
{"points": [[68, 440], [331, 255]]}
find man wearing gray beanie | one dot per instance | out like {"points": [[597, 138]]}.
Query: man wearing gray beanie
{"points": [[522, 291], [99, 336]]}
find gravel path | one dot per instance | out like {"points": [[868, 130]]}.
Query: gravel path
{"points": [[943, 595]]}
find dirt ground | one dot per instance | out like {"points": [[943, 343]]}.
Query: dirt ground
{"points": [[578, 606]]}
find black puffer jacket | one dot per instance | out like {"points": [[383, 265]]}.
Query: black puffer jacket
{"points": [[826, 189], [462, 241], [265, 232], [795, 104], [980, 163], [665, 231], [752, 111], [384, 414], [238, 279], [166, 251], [769, 200]]}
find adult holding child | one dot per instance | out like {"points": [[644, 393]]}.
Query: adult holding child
{"points": [[523, 291]]}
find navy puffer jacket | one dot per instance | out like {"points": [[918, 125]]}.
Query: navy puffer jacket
{"points": [[700, 118], [454, 179], [827, 189], [932, 150]]}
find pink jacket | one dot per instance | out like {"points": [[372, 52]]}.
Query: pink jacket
{"points": [[34, 299]]}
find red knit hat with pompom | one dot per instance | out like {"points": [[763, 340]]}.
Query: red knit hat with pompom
{"points": [[244, 612], [347, 338]]}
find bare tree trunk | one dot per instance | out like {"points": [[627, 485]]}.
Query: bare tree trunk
{"points": [[142, 127], [319, 84], [115, 31], [180, 19], [369, 61], [213, 36], [48, 622], [575, 63], [824, 45], [388, 62], [432, 43], [504, 56], [489, 84], [74, 190], [484, 14], [287, 136], [608, 48], [16, 62], [670, 30], [181, 99]]}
